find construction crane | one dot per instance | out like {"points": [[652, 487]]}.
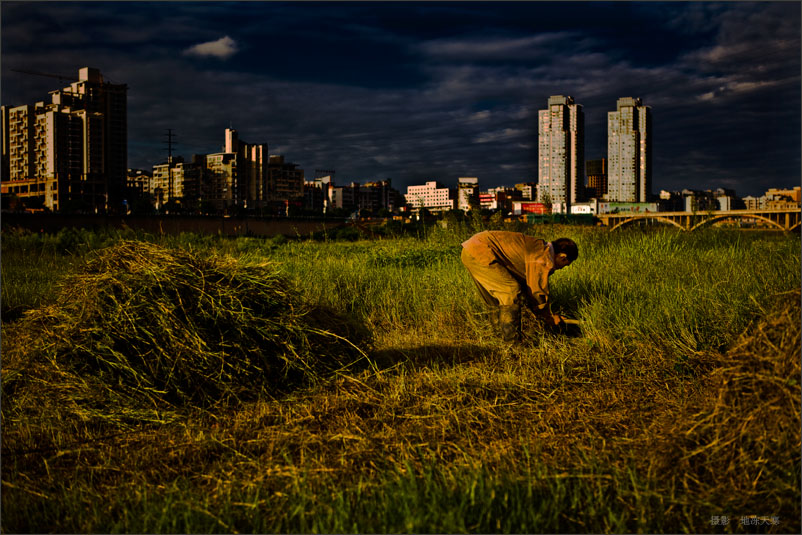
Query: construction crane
{"points": [[37, 73]]}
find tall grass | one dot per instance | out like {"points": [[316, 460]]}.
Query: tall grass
{"points": [[677, 405]]}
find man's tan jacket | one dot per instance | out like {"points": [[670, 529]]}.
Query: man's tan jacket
{"points": [[528, 260]]}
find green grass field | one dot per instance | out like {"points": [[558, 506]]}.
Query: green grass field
{"points": [[676, 410]]}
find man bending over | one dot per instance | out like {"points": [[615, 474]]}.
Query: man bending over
{"points": [[510, 268]]}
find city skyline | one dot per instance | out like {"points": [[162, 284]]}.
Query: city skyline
{"points": [[425, 91]]}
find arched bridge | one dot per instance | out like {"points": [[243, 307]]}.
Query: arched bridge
{"points": [[788, 220]]}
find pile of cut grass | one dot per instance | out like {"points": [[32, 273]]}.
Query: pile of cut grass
{"points": [[741, 439], [142, 327]]}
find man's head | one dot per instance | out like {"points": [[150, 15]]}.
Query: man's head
{"points": [[565, 252]]}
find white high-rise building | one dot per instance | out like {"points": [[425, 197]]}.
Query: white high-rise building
{"points": [[561, 148], [629, 152], [70, 153]]}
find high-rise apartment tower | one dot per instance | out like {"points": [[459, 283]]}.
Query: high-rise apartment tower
{"points": [[72, 152], [561, 146], [629, 152]]}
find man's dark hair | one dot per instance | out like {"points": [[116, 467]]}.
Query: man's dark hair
{"points": [[567, 246]]}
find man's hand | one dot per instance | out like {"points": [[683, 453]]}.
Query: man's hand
{"points": [[557, 321], [552, 321]]}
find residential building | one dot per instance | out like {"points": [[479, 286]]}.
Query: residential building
{"points": [[162, 184], [372, 196], [18, 142], [138, 181], [398, 202], [433, 196], [222, 181], [629, 152], [775, 199], [781, 204], [500, 198], [285, 181], [316, 193], [698, 201], [487, 200], [5, 148], [345, 197], [793, 195], [671, 201], [252, 170], [243, 176], [179, 182], [528, 190], [561, 139], [467, 193], [71, 153], [376, 195], [755, 203], [597, 178], [726, 199]]}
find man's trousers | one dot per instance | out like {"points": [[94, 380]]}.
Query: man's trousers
{"points": [[495, 284]]}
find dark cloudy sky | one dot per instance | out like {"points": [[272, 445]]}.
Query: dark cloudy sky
{"points": [[433, 91]]}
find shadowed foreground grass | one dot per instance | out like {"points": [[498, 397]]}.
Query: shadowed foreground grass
{"points": [[677, 408]]}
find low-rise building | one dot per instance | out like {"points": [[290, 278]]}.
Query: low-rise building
{"points": [[528, 190], [699, 201], [138, 181], [316, 194], [433, 196], [755, 203], [344, 197], [500, 198], [178, 182], [529, 207], [793, 194], [221, 180], [376, 195], [589, 207], [285, 182], [775, 199], [467, 192], [782, 204]]}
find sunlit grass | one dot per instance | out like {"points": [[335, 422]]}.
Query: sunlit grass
{"points": [[680, 402]]}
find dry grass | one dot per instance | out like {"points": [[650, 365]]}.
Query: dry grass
{"points": [[723, 443], [658, 444], [143, 330]]}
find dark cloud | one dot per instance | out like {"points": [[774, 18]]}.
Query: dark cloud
{"points": [[433, 91]]}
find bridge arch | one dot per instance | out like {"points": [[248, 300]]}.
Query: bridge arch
{"points": [[644, 217], [742, 216]]}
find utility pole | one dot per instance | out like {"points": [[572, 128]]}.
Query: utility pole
{"points": [[170, 144]]}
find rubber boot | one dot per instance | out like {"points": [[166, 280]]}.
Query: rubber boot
{"points": [[493, 317], [510, 322]]}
